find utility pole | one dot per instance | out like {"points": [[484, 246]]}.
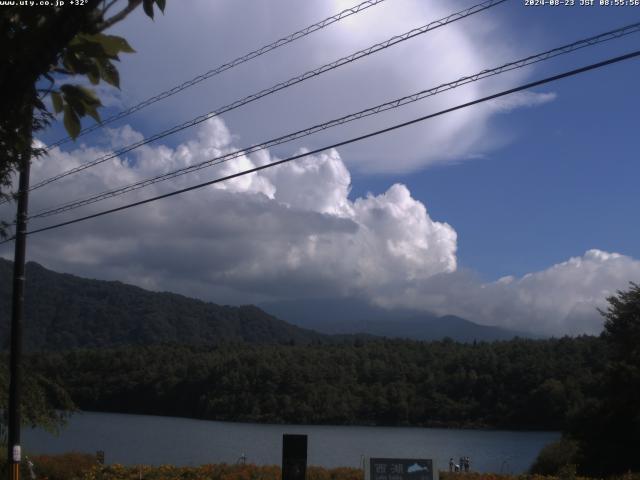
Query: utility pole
{"points": [[17, 315]]}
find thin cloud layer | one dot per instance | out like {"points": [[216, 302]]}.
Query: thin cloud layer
{"points": [[206, 35]]}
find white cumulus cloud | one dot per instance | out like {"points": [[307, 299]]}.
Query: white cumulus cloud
{"points": [[283, 231], [292, 232], [562, 299]]}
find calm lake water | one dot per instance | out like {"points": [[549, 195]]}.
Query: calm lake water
{"points": [[142, 439]]}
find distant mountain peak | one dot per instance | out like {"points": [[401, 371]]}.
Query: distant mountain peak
{"points": [[354, 316], [65, 311]]}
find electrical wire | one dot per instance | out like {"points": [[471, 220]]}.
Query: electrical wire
{"points": [[345, 142], [224, 67], [565, 49], [280, 86]]}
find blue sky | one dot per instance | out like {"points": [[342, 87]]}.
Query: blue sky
{"points": [[541, 188], [568, 179]]}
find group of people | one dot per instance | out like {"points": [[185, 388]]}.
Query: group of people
{"points": [[463, 466]]}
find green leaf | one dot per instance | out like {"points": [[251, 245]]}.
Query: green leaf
{"points": [[161, 4], [75, 63], [92, 112], [87, 45], [112, 44], [89, 97], [65, 61], [71, 122], [94, 74], [77, 94], [73, 98], [56, 99], [80, 101], [108, 72], [147, 5], [76, 104], [93, 78]]}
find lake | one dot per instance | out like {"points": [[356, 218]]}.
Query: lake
{"points": [[143, 439]]}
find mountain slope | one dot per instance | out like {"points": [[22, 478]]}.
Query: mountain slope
{"points": [[63, 311], [348, 316]]}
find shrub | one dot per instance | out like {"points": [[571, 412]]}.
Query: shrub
{"points": [[67, 466], [556, 458]]}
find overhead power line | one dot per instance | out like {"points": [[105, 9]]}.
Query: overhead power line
{"points": [[565, 49], [345, 142], [282, 85], [226, 66]]}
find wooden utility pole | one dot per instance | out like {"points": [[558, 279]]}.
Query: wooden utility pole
{"points": [[14, 456]]}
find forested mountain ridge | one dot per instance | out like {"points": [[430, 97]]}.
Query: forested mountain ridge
{"points": [[64, 311]]}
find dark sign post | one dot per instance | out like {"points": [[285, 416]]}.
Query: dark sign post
{"points": [[401, 469], [294, 457]]}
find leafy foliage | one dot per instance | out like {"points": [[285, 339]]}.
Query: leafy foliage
{"points": [[608, 426], [67, 466], [44, 465], [72, 466], [496, 476], [147, 5], [553, 457], [215, 472], [93, 56], [44, 45], [41, 47], [44, 402], [381, 382]]}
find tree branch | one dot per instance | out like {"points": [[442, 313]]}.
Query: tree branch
{"points": [[121, 15], [57, 69], [107, 6]]}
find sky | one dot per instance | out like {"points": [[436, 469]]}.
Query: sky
{"points": [[520, 212]]}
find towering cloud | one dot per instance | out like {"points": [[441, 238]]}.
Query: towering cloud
{"points": [[282, 231]]}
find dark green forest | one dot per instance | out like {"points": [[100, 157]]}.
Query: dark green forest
{"points": [[65, 312], [528, 384]]}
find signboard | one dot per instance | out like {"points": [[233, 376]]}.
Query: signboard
{"points": [[401, 469], [294, 457]]}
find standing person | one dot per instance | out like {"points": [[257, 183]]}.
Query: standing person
{"points": [[451, 464], [466, 463], [462, 464]]}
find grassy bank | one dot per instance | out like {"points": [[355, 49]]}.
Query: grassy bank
{"points": [[77, 466]]}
